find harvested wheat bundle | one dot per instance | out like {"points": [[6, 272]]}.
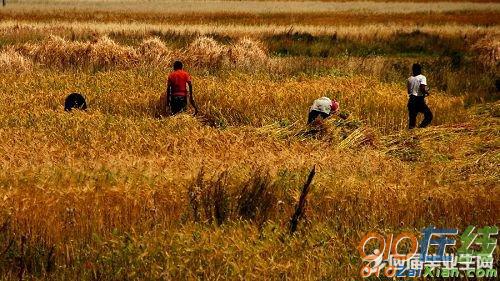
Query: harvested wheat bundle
{"points": [[206, 52], [106, 53], [405, 147], [56, 52], [154, 50], [332, 130], [12, 60], [247, 53], [345, 133], [277, 130], [488, 50], [360, 137]]}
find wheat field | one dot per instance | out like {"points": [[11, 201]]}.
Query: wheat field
{"points": [[121, 192], [178, 6]]}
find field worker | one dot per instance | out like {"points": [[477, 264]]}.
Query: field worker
{"points": [[75, 101], [417, 91], [322, 108], [179, 88]]}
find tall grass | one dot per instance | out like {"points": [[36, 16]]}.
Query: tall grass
{"points": [[118, 207]]}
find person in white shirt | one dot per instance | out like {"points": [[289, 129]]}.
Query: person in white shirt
{"points": [[322, 108], [417, 91]]}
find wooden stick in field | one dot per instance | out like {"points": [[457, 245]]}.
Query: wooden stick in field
{"points": [[299, 209]]}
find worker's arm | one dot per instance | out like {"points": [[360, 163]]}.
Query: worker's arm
{"points": [[423, 86], [191, 97], [168, 93], [424, 89]]}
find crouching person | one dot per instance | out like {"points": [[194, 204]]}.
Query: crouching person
{"points": [[75, 101], [179, 91], [321, 109]]}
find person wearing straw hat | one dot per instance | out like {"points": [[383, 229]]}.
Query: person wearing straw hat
{"points": [[179, 90], [322, 108]]}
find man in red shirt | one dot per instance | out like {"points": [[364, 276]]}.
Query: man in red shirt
{"points": [[179, 87]]}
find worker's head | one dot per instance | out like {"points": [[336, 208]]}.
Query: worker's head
{"points": [[416, 69], [75, 101], [178, 65], [335, 106]]}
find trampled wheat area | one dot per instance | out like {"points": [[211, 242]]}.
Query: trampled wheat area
{"points": [[119, 192]]}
